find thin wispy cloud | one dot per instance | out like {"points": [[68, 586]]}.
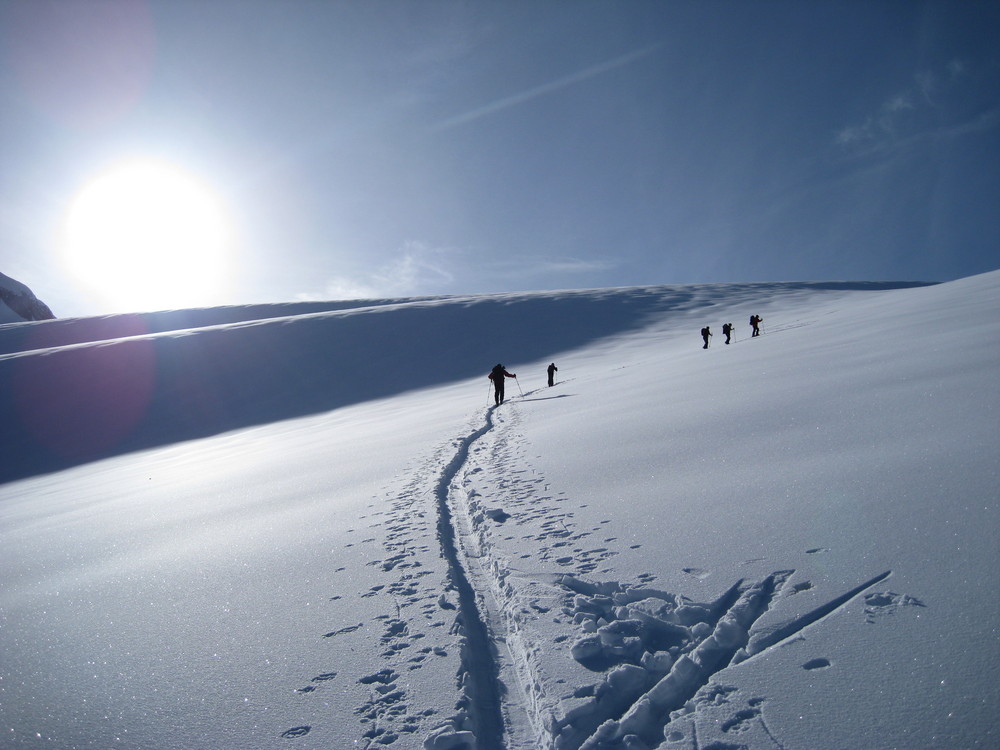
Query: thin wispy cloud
{"points": [[902, 115], [931, 83], [546, 88], [899, 103], [980, 124], [417, 266], [574, 265], [927, 85], [522, 267], [878, 126], [957, 68]]}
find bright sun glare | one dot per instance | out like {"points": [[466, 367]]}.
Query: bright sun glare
{"points": [[146, 235]]}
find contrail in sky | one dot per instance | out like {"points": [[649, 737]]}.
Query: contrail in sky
{"points": [[545, 88]]}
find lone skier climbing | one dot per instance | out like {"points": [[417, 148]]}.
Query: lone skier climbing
{"points": [[497, 375], [705, 333], [552, 370], [755, 321], [727, 329]]}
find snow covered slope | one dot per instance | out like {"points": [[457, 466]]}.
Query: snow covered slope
{"points": [[785, 542], [75, 390]]}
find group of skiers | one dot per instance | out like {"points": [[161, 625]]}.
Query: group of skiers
{"points": [[727, 329], [498, 373]]}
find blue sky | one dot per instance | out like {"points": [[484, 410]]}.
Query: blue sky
{"points": [[410, 148]]}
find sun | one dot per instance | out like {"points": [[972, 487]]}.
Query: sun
{"points": [[148, 235]]}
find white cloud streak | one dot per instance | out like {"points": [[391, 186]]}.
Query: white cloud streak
{"points": [[417, 267], [545, 88], [902, 110], [519, 267]]}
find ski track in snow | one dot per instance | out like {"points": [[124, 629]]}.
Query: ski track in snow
{"points": [[655, 654]]}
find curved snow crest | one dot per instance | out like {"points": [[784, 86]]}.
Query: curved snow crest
{"points": [[69, 331], [140, 381]]}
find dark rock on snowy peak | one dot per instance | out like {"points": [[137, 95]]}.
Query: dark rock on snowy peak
{"points": [[18, 303]]}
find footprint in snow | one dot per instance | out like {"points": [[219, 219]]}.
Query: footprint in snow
{"points": [[383, 676], [700, 573], [816, 664], [348, 629], [741, 721], [885, 603]]}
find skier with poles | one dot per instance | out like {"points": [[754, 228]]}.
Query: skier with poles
{"points": [[552, 370], [755, 321], [705, 333], [497, 375], [727, 328]]}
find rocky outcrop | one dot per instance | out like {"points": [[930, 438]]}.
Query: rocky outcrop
{"points": [[20, 301]]}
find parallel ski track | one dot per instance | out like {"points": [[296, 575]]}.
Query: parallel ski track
{"points": [[481, 684]]}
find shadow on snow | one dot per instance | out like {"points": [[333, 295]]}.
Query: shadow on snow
{"points": [[77, 390]]}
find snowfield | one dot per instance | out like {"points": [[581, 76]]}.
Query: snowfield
{"points": [[307, 526]]}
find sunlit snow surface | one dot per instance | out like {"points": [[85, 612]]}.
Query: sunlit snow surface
{"points": [[332, 539]]}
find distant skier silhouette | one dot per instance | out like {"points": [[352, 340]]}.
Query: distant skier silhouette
{"points": [[727, 329], [705, 333], [755, 321], [497, 375], [552, 370]]}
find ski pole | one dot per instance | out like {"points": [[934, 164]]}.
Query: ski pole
{"points": [[488, 392], [519, 386]]}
